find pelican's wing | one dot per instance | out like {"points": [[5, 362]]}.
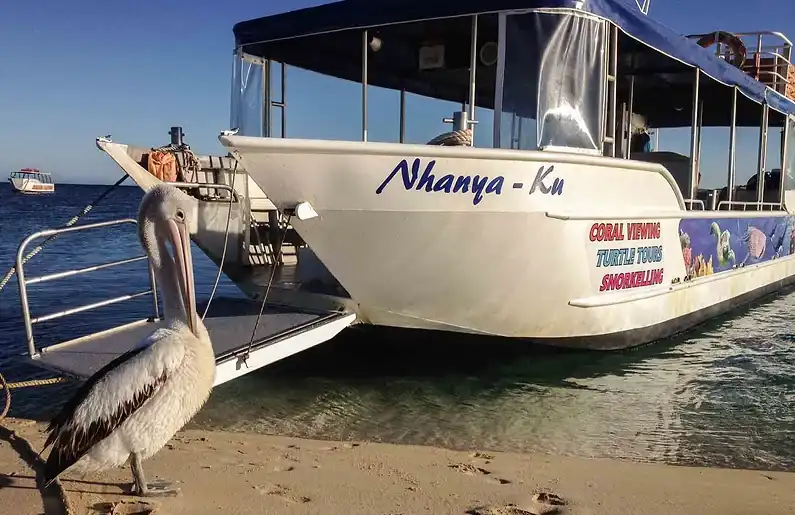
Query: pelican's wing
{"points": [[108, 398]]}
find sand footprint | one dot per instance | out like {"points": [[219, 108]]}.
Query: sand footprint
{"points": [[543, 503], [512, 509], [126, 508], [346, 445], [283, 493], [508, 509], [472, 470]]}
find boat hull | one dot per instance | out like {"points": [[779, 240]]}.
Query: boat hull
{"points": [[29, 187], [567, 250]]}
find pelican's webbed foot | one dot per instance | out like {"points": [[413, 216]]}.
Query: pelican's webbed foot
{"points": [[144, 489]]}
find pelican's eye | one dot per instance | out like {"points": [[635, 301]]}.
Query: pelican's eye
{"points": [[180, 215]]}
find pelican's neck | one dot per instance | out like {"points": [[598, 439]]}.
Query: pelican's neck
{"points": [[166, 275]]}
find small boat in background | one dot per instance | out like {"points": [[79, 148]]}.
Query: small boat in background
{"points": [[31, 180]]}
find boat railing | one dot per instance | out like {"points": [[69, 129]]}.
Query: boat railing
{"points": [[24, 282], [738, 205], [768, 59], [694, 204]]}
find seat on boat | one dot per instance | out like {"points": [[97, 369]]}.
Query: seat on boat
{"points": [[677, 164]]}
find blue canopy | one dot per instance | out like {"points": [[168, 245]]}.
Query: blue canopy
{"points": [[266, 36]]}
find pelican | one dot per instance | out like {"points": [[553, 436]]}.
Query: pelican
{"points": [[131, 408]]}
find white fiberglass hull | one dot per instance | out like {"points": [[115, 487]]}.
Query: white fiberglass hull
{"points": [[30, 186], [535, 252]]}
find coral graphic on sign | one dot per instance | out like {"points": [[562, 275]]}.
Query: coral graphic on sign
{"points": [[720, 244]]}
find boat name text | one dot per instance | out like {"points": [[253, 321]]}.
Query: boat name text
{"points": [[419, 177]]}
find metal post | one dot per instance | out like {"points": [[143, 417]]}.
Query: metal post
{"points": [[700, 127], [732, 147], [614, 73], [760, 178], [364, 85], [266, 98], [624, 125], [402, 115], [606, 86], [784, 153], [631, 105], [694, 138], [23, 299], [284, 99], [473, 62], [499, 85]]}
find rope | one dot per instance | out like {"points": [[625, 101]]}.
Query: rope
{"points": [[454, 138], [34, 382], [276, 259], [192, 163], [226, 239], [71, 222], [5, 385], [8, 397]]}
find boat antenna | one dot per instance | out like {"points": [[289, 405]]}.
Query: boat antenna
{"points": [[643, 5]]}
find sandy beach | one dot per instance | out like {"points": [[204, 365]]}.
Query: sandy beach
{"points": [[221, 472]]}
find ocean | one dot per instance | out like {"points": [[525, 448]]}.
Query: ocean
{"points": [[721, 395]]}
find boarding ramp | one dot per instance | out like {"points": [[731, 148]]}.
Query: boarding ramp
{"points": [[281, 331]]}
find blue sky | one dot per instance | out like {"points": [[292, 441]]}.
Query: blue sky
{"points": [[71, 71]]}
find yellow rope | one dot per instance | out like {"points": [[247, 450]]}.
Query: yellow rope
{"points": [[8, 397], [35, 382], [23, 384]]}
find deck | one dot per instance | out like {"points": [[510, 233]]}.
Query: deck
{"points": [[281, 332]]}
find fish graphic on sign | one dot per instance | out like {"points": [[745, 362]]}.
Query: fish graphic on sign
{"points": [[725, 252], [756, 242]]}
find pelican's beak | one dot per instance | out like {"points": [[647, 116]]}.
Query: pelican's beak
{"points": [[180, 239]]}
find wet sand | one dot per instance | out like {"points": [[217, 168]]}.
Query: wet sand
{"points": [[234, 473]]}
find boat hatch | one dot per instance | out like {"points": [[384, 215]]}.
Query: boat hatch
{"points": [[281, 331]]}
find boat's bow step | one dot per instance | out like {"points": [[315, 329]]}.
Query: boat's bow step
{"points": [[281, 332]]}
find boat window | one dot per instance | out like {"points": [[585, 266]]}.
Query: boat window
{"points": [[789, 165], [246, 102], [553, 81]]}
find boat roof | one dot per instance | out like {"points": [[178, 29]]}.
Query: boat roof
{"points": [[273, 37]]}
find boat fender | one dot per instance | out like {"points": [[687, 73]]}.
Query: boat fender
{"points": [[734, 42]]}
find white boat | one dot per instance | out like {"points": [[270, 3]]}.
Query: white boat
{"points": [[31, 181], [560, 232], [563, 231]]}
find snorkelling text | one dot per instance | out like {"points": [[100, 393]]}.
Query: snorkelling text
{"points": [[420, 177], [626, 256]]}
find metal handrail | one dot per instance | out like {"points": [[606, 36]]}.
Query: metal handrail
{"points": [[786, 41], [23, 282], [87, 307], [198, 185], [70, 273], [745, 205], [209, 185], [695, 202], [764, 33]]}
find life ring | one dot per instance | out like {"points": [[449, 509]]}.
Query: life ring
{"points": [[735, 43]]}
